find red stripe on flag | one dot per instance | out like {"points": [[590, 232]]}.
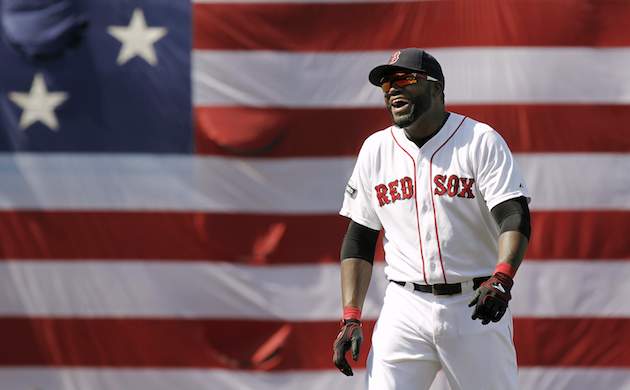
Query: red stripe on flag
{"points": [[263, 239], [579, 235], [389, 25], [272, 345], [240, 238], [567, 342], [277, 132]]}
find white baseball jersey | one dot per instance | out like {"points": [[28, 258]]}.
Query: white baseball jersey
{"points": [[434, 201]]}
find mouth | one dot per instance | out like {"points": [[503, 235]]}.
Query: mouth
{"points": [[399, 105]]}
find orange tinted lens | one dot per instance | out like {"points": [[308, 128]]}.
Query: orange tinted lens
{"points": [[403, 82], [386, 86]]}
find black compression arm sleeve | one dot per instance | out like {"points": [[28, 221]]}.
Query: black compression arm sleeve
{"points": [[513, 215], [359, 242]]}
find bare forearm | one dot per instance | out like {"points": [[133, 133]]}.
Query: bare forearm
{"points": [[355, 280], [512, 247]]}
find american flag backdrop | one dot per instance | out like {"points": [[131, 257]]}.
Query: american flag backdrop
{"points": [[169, 186]]}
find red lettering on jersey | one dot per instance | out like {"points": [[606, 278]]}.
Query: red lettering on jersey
{"points": [[393, 190], [453, 185], [381, 195], [466, 191], [406, 186], [439, 181]]}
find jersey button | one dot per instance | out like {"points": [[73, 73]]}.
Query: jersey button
{"points": [[432, 266]]}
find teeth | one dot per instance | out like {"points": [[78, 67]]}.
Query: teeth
{"points": [[398, 102]]}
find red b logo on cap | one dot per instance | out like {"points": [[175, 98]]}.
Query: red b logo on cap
{"points": [[394, 57]]}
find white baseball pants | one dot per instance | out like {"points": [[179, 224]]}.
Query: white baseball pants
{"points": [[419, 333]]}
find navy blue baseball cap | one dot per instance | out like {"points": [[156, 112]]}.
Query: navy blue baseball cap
{"points": [[410, 59]]}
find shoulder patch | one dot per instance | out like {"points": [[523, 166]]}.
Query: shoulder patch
{"points": [[351, 190]]}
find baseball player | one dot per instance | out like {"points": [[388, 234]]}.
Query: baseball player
{"points": [[453, 206]]}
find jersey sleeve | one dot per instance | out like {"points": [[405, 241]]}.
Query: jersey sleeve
{"points": [[357, 201], [498, 176]]}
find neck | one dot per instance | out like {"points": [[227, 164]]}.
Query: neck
{"points": [[426, 125]]}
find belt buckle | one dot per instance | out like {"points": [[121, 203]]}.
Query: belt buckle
{"points": [[409, 286]]}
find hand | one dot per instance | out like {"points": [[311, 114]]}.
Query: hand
{"points": [[350, 337], [492, 297]]}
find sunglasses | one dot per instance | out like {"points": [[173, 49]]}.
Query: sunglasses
{"points": [[403, 79]]}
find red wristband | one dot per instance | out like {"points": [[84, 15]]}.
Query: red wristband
{"points": [[505, 268], [351, 313]]}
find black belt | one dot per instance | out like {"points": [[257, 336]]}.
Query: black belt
{"points": [[441, 288]]}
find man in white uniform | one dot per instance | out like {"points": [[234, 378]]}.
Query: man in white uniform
{"points": [[453, 206]]}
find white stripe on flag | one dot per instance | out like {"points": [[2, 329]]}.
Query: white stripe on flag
{"points": [[200, 379], [222, 290], [280, 186], [473, 76]]}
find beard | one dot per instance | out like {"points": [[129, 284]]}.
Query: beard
{"points": [[419, 105]]}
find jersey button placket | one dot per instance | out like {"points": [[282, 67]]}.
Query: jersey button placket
{"points": [[422, 211], [428, 237]]}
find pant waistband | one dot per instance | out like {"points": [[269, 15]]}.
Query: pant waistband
{"points": [[442, 288]]}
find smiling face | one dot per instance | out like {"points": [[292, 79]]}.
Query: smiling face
{"points": [[408, 96]]}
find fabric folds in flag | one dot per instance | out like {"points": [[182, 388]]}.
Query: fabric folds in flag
{"points": [[171, 183]]}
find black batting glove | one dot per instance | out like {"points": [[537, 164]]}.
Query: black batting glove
{"points": [[350, 337], [491, 299]]}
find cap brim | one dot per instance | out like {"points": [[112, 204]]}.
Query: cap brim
{"points": [[376, 74]]}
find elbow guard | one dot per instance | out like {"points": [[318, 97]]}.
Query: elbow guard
{"points": [[359, 242], [513, 215]]}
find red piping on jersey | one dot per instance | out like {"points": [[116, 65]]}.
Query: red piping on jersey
{"points": [[437, 237], [415, 199]]}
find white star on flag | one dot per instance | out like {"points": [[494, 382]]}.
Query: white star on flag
{"points": [[137, 39], [38, 104]]}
